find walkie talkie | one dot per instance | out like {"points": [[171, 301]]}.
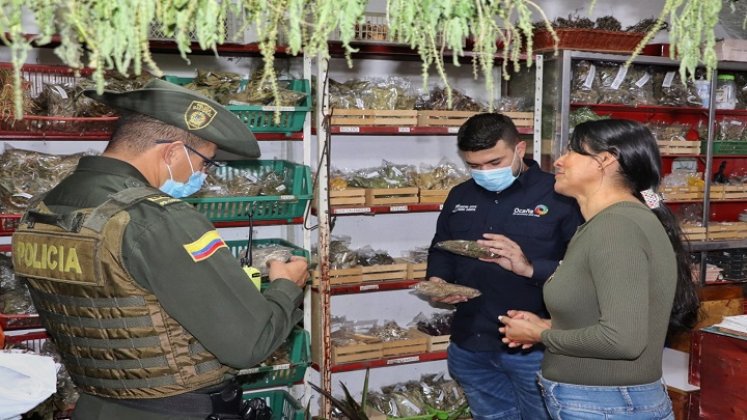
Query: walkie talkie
{"points": [[246, 261]]}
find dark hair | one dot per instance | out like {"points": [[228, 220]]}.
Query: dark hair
{"points": [[635, 149], [483, 131], [137, 133]]}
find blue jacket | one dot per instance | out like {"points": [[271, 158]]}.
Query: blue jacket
{"points": [[531, 214]]}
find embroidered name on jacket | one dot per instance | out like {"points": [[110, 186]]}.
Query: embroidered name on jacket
{"points": [[464, 207], [206, 246], [538, 211]]}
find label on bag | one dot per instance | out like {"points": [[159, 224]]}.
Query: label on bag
{"points": [[643, 80], [668, 79], [590, 77], [622, 71]]}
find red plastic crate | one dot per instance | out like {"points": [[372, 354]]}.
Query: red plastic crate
{"points": [[33, 340], [10, 322], [51, 127], [9, 223]]}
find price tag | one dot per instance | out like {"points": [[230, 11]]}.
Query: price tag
{"points": [[643, 80], [276, 108], [621, 72], [396, 209], [403, 129], [287, 197], [369, 287], [453, 130], [402, 360], [353, 210], [668, 79], [346, 129], [590, 77]]}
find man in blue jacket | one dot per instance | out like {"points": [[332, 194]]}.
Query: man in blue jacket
{"points": [[509, 205]]}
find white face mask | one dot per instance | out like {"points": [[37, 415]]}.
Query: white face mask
{"points": [[178, 189]]}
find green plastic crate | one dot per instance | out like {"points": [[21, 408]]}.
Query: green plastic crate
{"points": [[265, 207], [281, 375], [727, 147], [261, 119], [283, 405]]}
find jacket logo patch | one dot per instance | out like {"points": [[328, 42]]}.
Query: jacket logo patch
{"points": [[205, 247], [464, 207], [199, 115], [538, 211]]}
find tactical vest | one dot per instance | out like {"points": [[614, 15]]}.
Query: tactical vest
{"points": [[115, 338]]}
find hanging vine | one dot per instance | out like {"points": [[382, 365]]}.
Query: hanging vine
{"points": [[114, 34]]}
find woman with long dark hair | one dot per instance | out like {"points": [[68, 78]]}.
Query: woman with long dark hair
{"points": [[624, 281]]}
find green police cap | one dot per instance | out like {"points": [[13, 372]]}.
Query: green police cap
{"points": [[188, 110]]}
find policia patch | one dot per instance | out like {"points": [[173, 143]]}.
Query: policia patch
{"points": [[199, 115], [66, 258]]}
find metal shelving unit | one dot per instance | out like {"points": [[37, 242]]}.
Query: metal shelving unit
{"points": [[563, 106], [325, 212]]}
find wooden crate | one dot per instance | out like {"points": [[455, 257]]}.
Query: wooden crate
{"points": [[384, 196], [679, 147], [416, 270], [357, 352], [694, 233], [735, 192], [340, 276], [383, 272], [348, 197], [434, 118], [417, 343], [374, 117], [731, 230], [681, 193], [433, 196], [434, 342]]}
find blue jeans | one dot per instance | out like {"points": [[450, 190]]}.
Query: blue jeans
{"points": [[639, 402], [499, 384]]}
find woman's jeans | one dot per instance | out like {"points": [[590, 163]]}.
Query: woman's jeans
{"points": [[568, 401]]}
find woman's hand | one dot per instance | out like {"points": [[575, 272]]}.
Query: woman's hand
{"points": [[522, 329]]}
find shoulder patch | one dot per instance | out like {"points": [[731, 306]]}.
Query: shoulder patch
{"points": [[163, 200], [205, 247]]}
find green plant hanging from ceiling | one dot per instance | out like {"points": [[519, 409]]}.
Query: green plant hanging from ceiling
{"points": [[113, 34]]}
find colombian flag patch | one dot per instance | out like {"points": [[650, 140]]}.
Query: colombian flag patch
{"points": [[206, 246]]}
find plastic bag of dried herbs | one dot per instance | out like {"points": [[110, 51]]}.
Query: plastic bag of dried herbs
{"points": [[584, 114], [443, 176], [29, 173], [14, 294], [367, 256], [6, 96], [670, 91], [585, 84]]}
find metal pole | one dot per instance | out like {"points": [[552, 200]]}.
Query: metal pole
{"points": [[322, 208]]}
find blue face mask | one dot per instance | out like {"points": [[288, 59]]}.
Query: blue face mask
{"points": [[497, 179], [181, 189]]}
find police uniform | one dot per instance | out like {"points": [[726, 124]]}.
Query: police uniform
{"points": [[148, 307]]}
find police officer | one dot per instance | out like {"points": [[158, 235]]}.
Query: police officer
{"points": [[149, 309], [510, 206]]}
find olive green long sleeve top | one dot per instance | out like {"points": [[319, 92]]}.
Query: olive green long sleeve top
{"points": [[610, 301]]}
